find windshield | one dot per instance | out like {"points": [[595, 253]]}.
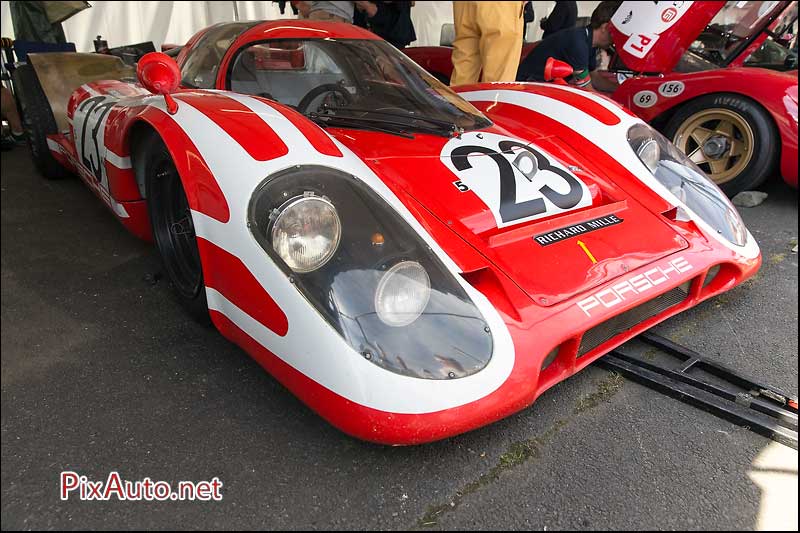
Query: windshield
{"points": [[779, 51], [358, 81], [730, 30]]}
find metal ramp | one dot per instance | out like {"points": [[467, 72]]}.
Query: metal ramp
{"points": [[711, 386]]}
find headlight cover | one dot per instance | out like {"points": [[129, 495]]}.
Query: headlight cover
{"points": [[305, 232], [382, 288], [402, 294], [675, 171]]}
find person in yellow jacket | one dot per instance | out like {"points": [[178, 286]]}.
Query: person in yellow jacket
{"points": [[488, 39]]}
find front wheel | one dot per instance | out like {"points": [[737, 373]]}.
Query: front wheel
{"points": [[730, 137], [171, 221]]}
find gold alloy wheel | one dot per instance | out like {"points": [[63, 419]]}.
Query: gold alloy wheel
{"points": [[719, 141]]}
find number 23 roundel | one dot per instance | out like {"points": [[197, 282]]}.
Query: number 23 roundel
{"points": [[518, 182]]}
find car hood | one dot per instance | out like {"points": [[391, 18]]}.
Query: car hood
{"points": [[652, 36], [550, 255]]}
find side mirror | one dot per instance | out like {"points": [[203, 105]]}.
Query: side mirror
{"points": [[556, 71], [159, 74]]}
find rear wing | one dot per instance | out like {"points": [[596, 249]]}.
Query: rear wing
{"points": [[60, 73]]}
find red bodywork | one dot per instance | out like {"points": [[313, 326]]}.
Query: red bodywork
{"points": [[775, 91], [539, 292]]}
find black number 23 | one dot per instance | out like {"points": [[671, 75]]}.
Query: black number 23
{"points": [[510, 209]]}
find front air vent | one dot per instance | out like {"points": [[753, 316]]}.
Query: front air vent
{"points": [[711, 274], [623, 322]]}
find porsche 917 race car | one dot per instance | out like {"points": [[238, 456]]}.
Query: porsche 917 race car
{"points": [[412, 263], [719, 79]]}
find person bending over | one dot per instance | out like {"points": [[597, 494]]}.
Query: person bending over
{"points": [[577, 47]]}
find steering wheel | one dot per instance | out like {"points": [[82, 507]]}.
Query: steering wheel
{"points": [[306, 101]]}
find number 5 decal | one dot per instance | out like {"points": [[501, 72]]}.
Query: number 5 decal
{"points": [[526, 183]]}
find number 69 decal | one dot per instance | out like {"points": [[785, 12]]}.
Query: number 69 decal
{"points": [[516, 181], [645, 99]]}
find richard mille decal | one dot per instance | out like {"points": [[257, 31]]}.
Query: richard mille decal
{"points": [[517, 181], [552, 237], [634, 286]]}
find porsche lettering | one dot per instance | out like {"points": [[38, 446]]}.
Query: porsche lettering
{"points": [[634, 286]]}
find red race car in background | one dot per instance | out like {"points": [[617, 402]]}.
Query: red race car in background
{"points": [[410, 262], [719, 79]]}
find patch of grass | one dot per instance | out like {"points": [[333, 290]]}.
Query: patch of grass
{"points": [[517, 454], [774, 259], [606, 389], [521, 452], [650, 354]]}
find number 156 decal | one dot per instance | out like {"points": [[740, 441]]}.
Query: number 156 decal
{"points": [[517, 182]]}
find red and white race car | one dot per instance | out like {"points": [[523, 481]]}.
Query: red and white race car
{"points": [[719, 79], [410, 262]]}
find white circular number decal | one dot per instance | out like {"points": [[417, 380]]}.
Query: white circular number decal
{"points": [[516, 180], [645, 99], [671, 88]]}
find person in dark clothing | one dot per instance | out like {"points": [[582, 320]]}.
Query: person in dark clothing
{"points": [[389, 20], [282, 6], [528, 15], [563, 17], [577, 47]]}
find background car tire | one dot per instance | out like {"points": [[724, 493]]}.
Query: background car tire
{"points": [[171, 222], [745, 118], [37, 120]]}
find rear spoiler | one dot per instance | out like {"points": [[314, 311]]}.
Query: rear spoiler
{"points": [[60, 73]]}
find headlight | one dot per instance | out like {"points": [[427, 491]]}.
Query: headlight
{"points": [[402, 294], [650, 154], [306, 232], [687, 182], [369, 274]]}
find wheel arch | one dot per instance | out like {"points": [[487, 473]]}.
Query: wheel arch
{"points": [[202, 190], [136, 134]]}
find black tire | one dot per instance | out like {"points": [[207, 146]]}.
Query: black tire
{"points": [[171, 221], [766, 143], [37, 120]]}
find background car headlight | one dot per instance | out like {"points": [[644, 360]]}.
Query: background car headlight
{"points": [[369, 274], [675, 171], [403, 293], [305, 232]]}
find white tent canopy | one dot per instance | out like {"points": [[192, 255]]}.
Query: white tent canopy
{"points": [[160, 21]]}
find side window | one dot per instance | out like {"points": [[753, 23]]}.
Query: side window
{"points": [[201, 67], [283, 70]]}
